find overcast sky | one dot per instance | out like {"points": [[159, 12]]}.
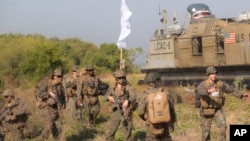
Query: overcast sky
{"points": [[98, 21]]}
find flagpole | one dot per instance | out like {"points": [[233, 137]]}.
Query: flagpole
{"points": [[121, 60], [125, 30]]}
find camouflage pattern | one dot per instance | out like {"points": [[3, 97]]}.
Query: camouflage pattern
{"points": [[120, 73], [91, 102], [52, 108], [210, 70], [14, 121], [151, 77], [89, 67], [126, 92], [142, 111], [205, 121], [70, 84]]}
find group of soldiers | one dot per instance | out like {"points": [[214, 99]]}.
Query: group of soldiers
{"points": [[78, 93]]}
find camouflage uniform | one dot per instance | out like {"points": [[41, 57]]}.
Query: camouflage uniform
{"points": [[143, 111], [53, 105], [88, 90], [13, 117], [212, 103], [121, 92], [70, 84]]}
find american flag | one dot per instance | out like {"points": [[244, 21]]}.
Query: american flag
{"points": [[230, 38]]}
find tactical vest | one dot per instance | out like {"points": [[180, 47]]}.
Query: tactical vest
{"points": [[121, 93], [91, 86], [70, 84], [212, 101]]}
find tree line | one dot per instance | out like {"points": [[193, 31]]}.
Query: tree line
{"points": [[25, 59]]}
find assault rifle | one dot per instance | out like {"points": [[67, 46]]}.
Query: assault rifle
{"points": [[117, 105], [58, 99]]}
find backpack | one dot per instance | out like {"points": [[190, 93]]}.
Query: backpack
{"points": [[40, 103], [158, 107]]}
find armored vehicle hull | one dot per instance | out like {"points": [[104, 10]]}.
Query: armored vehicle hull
{"points": [[207, 41]]}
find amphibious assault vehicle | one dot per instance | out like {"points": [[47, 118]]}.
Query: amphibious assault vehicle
{"points": [[182, 55]]}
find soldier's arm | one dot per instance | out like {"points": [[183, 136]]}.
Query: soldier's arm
{"points": [[201, 89], [142, 103], [43, 91], [109, 93], [172, 111], [132, 95], [20, 110], [231, 90], [67, 83], [79, 89]]}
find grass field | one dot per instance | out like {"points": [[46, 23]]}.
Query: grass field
{"points": [[237, 111]]}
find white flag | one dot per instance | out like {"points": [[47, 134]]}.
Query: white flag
{"points": [[125, 25]]}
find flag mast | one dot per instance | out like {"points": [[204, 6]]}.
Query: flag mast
{"points": [[125, 30]]}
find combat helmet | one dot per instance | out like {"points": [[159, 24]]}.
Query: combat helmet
{"points": [[57, 72], [211, 70], [120, 73], [9, 92], [89, 67], [151, 77]]}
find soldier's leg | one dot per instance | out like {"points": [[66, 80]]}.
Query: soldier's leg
{"points": [[86, 112], [71, 107], [166, 135], [221, 124], [149, 135], [112, 125], [58, 126], [49, 119], [78, 113], [205, 124], [127, 129], [95, 110]]}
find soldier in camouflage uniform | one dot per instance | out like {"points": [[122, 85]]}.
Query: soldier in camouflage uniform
{"points": [[13, 116], [89, 88], [154, 80], [122, 100], [70, 84], [212, 101], [52, 93]]}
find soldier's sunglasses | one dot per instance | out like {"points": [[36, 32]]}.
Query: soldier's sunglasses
{"points": [[121, 77]]}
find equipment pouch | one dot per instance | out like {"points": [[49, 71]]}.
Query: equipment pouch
{"points": [[69, 92], [205, 100], [217, 101], [208, 112], [93, 100]]}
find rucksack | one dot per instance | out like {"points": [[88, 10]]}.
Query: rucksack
{"points": [[40, 103], [158, 107]]}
